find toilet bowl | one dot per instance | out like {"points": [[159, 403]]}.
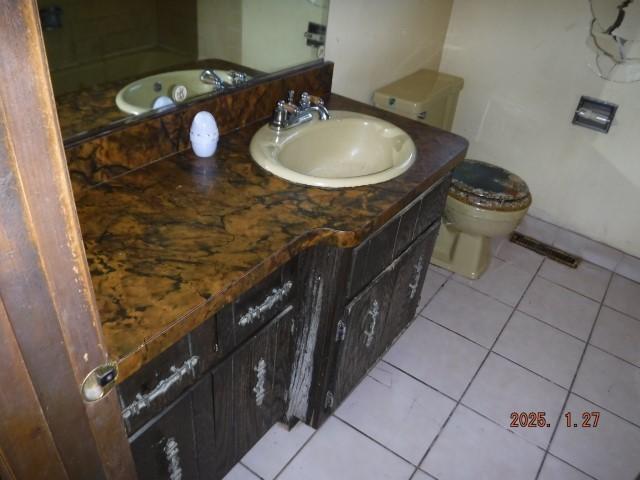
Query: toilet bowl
{"points": [[484, 201]]}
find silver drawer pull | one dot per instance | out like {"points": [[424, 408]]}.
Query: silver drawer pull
{"points": [[145, 401], [254, 313], [261, 377], [374, 313], [172, 453], [413, 286]]}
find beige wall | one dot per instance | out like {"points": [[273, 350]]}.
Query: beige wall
{"points": [[220, 29], [264, 35], [374, 42], [525, 67]]}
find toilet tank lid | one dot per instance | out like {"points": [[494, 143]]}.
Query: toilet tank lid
{"points": [[489, 183], [415, 91]]}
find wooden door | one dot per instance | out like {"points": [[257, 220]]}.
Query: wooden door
{"points": [[51, 334]]}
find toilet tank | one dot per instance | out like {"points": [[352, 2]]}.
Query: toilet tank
{"points": [[426, 96]]}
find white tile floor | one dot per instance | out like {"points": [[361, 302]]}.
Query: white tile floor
{"points": [[530, 336]]}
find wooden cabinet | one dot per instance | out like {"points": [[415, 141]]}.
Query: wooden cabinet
{"points": [[165, 449], [157, 384], [359, 331], [411, 269], [323, 319], [248, 397]]}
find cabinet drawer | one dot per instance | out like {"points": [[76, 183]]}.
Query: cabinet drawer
{"points": [[262, 303], [237, 322], [157, 384], [376, 253], [372, 256], [432, 205], [166, 449]]}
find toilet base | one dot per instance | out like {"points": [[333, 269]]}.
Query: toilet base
{"points": [[462, 253]]}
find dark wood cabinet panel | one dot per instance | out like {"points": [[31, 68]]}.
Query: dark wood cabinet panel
{"points": [[407, 228], [166, 449], [359, 331], [372, 256], [293, 346], [157, 384], [411, 268], [244, 398], [432, 204], [262, 303]]}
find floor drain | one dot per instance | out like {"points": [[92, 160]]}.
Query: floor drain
{"points": [[548, 251]]}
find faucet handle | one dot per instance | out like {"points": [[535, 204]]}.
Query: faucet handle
{"points": [[305, 100], [316, 100], [279, 118]]}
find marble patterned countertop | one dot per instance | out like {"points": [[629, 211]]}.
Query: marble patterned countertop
{"points": [[172, 242]]}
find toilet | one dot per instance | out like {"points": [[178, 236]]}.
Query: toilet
{"points": [[484, 200]]}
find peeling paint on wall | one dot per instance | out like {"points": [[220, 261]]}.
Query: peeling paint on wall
{"points": [[615, 39]]}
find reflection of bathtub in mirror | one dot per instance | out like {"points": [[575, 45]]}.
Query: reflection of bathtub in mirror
{"points": [[94, 107], [141, 96]]}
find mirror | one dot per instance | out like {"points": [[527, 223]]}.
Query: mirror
{"points": [[615, 39], [116, 61]]}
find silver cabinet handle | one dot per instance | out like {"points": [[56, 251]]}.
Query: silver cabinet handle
{"points": [[413, 286], [173, 459], [374, 313], [261, 376], [145, 401], [277, 294]]}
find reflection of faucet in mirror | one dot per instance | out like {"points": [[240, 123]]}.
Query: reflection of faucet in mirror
{"points": [[168, 46], [615, 39], [210, 77]]}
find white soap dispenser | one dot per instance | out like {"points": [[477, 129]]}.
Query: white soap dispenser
{"points": [[204, 134]]}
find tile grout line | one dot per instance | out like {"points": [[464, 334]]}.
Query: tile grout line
{"points": [[631, 364], [571, 465], [377, 442], [491, 419], [306, 442], [573, 381], [250, 469], [477, 370], [517, 364]]}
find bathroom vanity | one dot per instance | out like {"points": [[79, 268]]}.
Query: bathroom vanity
{"points": [[160, 311], [235, 299]]}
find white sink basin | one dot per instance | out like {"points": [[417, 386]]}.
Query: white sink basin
{"points": [[348, 150], [138, 96]]}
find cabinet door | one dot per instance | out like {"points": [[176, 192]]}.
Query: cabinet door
{"points": [[261, 378], [248, 397], [165, 448], [411, 270], [359, 332]]}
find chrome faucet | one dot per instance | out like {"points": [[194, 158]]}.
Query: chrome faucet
{"points": [[288, 115], [210, 77]]}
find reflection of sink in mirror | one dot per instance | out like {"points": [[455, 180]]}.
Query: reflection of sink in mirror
{"points": [[140, 96], [348, 150]]}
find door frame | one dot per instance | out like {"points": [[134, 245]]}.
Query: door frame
{"points": [[51, 335]]}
